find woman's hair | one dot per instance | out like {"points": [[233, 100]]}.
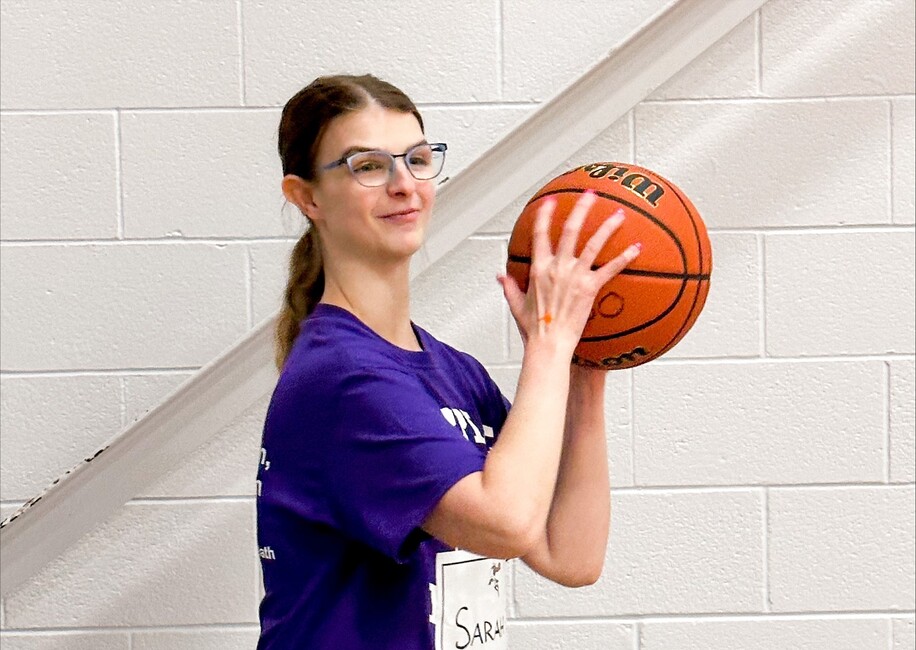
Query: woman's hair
{"points": [[304, 121]]}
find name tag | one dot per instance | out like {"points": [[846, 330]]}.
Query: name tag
{"points": [[469, 602]]}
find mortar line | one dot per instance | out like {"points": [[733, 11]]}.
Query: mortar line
{"points": [[500, 50], [826, 229], [259, 574], [507, 314], [890, 158], [217, 108], [817, 229], [191, 500], [128, 109], [667, 489], [249, 289], [762, 288], [122, 385], [698, 488], [97, 372], [489, 236], [631, 381], [509, 365], [767, 605], [813, 615], [737, 616], [513, 602], [241, 27], [119, 178], [758, 51], [823, 229], [483, 105], [111, 630], [887, 387], [768, 99], [631, 127]]}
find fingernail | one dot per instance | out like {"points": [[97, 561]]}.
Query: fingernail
{"points": [[634, 250]]}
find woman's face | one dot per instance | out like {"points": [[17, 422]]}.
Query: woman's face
{"points": [[385, 223]]}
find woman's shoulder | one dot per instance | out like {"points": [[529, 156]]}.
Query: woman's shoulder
{"points": [[443, 350], [333, 347], [325, 350]]}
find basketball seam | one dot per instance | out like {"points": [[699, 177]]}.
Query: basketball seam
{"points": [[664, 275]]}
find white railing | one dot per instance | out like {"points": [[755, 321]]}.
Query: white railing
{"points": [[220, 391]]}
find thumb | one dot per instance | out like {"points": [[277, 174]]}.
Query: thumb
{"points": [[513, 293]]}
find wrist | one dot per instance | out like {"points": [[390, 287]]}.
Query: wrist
{"points": [[587, 377], [548, 350]]}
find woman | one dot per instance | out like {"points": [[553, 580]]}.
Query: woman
{"points": [[384, 450]]}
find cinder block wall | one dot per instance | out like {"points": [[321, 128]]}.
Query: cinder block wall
{"points": [[763, 471]]}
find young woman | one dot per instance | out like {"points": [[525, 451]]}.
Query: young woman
{"points": [[385, 450]]}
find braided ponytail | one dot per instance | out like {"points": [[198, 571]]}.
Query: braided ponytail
{"points": [[303, 291]]}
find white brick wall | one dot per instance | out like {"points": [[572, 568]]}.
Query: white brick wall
{"points": [[767, 633], [763, 471]]}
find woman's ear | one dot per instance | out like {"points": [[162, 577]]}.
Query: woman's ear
{"points": [[300, 193]]}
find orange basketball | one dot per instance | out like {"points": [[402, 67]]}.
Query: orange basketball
{"points": [[646, 309]]}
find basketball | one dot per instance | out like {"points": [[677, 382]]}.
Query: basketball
{"points": [[642, 312]]}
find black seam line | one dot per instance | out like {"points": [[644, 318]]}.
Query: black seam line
{"points": [[639, 272]]}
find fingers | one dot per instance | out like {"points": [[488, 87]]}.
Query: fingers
{"points": [[616, 265], [597, 241], [573, 224], [542, 255], [540, 236]]}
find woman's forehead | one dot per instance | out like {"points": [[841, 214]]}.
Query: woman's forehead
{"points": [[372, 128]]}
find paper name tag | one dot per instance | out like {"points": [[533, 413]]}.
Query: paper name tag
{"points": [[470, 601]]}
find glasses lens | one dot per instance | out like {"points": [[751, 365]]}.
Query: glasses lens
{"points": [[371, 168], [425, 161]]}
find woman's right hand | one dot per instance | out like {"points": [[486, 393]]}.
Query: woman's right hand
{"points": [[561, 286]]}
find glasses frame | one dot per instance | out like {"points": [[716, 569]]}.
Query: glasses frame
{"points": [[439, 147]]}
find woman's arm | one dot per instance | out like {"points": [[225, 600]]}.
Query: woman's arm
{"points": [[571, 549], [503, 510]]}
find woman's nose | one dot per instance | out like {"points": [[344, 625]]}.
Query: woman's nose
{"points": [[400, 180]]}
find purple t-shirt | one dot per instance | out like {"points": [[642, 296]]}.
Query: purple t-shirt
{"points": [[362, 439]]}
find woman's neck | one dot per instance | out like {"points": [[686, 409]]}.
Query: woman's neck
{"points": [[379, 297]]}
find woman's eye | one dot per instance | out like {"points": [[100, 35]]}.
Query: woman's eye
{"points": [[365, 167]]}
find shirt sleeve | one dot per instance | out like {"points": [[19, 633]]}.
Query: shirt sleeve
{"points": [[391, 457]]}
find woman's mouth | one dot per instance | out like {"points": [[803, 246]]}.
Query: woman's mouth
{"points": [[402, 216]]}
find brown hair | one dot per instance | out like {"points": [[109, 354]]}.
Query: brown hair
{"points": [[305, 118]]}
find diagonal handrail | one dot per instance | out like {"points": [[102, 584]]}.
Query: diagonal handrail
{"points": [[220, 391]]}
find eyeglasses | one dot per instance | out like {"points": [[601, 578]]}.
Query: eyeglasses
{"points": [[376, 168]]}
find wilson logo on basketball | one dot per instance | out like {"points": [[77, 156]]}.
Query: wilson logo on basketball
{"points": [[639, 184]]}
